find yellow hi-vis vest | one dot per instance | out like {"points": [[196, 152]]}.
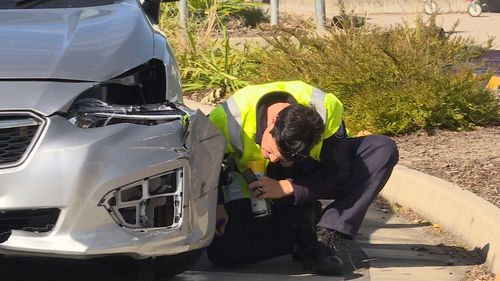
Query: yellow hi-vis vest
{"points": [[236, 118]]}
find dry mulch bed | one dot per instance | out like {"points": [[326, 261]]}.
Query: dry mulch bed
{"points": [[471, 159]]}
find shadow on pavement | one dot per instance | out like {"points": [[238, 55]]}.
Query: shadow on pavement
{"points": [[412, 255], [391, 241]]}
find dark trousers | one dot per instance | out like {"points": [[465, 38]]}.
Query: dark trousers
{"points": [[248, 239], [356, 169], [362, 167]]}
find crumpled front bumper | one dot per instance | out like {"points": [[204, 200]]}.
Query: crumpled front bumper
{"points": [[72, 169]]}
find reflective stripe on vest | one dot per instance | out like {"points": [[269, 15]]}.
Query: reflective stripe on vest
{"points": [[234, 123], [318, 101], [236, 187]]}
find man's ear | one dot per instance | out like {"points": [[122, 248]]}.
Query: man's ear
{"points": [[273, 119]]}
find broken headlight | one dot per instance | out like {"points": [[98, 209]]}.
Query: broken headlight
{"points": [[92, 113], [136, 96]]}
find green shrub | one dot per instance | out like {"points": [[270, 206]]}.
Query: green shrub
{"points": [[391, 81], [224, 8], [209, 65], [216, 68]]}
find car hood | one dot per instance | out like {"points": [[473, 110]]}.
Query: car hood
{"points": [[103, 42]]}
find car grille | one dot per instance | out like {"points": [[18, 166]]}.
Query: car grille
{"points": [[18, 134]]}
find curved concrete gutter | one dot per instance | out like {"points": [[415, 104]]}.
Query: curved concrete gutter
{"points": [[469, 217]]}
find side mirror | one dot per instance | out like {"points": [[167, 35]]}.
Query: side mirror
{"points": [[152, 9]]}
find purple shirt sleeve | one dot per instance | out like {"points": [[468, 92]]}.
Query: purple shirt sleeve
{"points": [[318, 185]]}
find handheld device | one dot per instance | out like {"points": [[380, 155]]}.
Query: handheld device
{"points": [[260, 207]]}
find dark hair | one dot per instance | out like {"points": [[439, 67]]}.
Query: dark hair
{"points": [[297, 129]]}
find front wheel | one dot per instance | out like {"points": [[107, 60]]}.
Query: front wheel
{"points": [[475, 10], [430, 8]]}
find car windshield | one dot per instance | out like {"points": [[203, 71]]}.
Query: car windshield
{"points": [[50, 4]]}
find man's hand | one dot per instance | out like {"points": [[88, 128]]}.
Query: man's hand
{"points": [[222, 218], [271, 188]]}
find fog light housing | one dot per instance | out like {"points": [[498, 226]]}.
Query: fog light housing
{"points": [[154, 202]]}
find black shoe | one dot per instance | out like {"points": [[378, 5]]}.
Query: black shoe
{"points": [[331, 251], [305, 256]]}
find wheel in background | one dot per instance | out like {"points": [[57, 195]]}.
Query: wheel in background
{"points": [[475, 10], [431, 8]]}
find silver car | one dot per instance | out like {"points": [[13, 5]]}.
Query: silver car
{"points": [[98, 155]]}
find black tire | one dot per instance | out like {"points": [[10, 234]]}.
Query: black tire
{"points": [[169, 266], [130, 269], [5, 265], [147, 269]]}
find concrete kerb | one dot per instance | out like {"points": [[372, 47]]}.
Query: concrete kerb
{"points": [[461, 212], [469, 217]]}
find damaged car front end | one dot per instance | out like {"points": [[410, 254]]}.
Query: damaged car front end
{"points": [[98, 155]]}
